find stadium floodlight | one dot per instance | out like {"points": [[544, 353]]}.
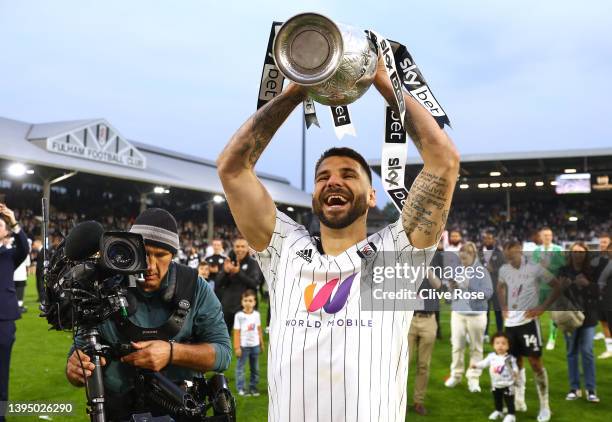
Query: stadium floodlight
{"points": [[464, 186], [494, 185], [573, 218], [290, 209], [539, 183], [553, 183], [483, 185], [569, 171], [160, 189], [495, 173], [17, 170], [520, 184], [506, 185], [217, 199]]}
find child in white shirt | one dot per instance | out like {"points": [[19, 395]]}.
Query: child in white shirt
{"points": [[504, 371], [248, 342]]}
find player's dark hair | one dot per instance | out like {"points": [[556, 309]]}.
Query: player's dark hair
{"points": [[203, 264], [545, 228], [345, 152], [512, 244], [500, 334], [247, 293], [604, 234]]}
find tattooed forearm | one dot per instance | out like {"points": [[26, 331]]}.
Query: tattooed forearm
{"points": [[265, 123], [426, 208], [249, 142]]}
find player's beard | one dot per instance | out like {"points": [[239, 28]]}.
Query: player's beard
{"points": [[359, 207]]}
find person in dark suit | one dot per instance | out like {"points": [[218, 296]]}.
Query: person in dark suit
{"points": [[239, 273], [492, 257], [10, 258]]}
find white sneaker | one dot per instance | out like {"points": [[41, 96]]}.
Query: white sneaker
{"points": [[520, 406], [509, 418], [474, 386], [544, 415], [496, 415], [452, 382], [550, 344], [599, 336], [605, 355]]}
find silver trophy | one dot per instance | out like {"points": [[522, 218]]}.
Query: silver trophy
{"points": [[336, 62]]}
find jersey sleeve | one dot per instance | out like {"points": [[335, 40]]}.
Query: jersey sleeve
{"points": [[258, 319], [284, 229], [237, 321], [484, 363]]}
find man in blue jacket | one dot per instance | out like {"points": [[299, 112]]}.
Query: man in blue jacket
{"points": [[10, 258]]}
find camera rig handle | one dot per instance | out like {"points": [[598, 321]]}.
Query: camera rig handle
{"points": [[95, 383]]}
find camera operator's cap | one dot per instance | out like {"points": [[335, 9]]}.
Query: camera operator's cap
{"points": [[158, 228]]}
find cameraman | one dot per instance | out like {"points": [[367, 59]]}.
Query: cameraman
{"points": [[10, 258], [202, 343]]}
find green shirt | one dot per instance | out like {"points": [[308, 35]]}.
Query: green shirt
{"points": [[554, 256], [204, 323]]}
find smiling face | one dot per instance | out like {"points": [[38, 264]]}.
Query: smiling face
{"points": [[158, 262], [241, 248], [342, 192], [546, 235]]}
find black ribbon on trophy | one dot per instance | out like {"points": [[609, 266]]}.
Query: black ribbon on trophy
{"points": [[337, 64]]}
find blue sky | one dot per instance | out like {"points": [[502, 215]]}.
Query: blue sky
{"points": [[513, 76]]}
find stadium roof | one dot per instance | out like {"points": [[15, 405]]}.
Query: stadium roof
{"points": [[32, 144], [523, 164]]}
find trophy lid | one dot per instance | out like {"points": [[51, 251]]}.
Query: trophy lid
{"points": [[308, 48]]}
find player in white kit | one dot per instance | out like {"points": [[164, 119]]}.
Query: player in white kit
{"points": [[518, 291], [329, 360]]}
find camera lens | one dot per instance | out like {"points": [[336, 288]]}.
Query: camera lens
{"points": [[121, 255]]}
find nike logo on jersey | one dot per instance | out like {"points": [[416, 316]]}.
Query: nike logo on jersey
{"points": [[305, 254]]}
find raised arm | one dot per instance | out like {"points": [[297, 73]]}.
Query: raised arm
{"points": [[426, 208], [251, 205]]}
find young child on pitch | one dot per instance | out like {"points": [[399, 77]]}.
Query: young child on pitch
{"points": [[248, 342], [504, 372]]}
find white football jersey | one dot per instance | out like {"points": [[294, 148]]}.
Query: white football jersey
{"points": [[523, 289], [328, 359]]}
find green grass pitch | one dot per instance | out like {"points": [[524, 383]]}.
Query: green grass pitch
{"points": [[39, 355]]}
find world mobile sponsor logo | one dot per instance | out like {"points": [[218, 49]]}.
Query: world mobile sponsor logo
{"points": [[323, 298]]}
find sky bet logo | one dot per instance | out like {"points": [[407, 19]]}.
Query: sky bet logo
{"points": [[323, 298], [392, 177]]}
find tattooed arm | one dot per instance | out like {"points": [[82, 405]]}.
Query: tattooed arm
{"points": [[426, 208], [252, 207]]}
